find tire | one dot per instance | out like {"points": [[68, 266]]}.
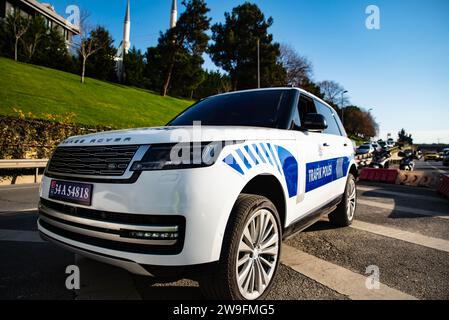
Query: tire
{"points": [[343, 216], [222, 283]]}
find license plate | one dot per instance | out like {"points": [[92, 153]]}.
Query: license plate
{"points": [[79, 193]]}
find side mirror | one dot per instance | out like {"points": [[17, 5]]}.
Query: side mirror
{"points": [[314, 121]]}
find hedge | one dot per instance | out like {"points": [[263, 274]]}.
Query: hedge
{"points": [[22, 138]]}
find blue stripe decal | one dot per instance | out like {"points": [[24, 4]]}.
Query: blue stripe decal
{"points": [[251, 155], [259, 153], [266, 153], [324, 172], [274, 157], [230, 161], [244, 159], [290, 168]]}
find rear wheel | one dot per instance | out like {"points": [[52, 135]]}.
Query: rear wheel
{"points": [[250, 253], [343, 216]]}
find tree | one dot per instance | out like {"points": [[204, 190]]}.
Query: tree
{"points": [[214, 83], [360, 122], [34, 36], [298, 68], [86, 44], [101, 64], [404, 138], [53, 53], [154, 68], [188, 37], [332, 92], [235, 48], [18, 26], [134, 67]]}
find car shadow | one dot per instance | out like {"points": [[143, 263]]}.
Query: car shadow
{"points": [[168, 289]]}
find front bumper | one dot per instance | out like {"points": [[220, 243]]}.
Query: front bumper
{"points": [[192, 203]]}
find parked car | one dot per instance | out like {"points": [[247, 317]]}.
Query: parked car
{"points": [[446, 159], [431, 156], [365, 149], [390, 143], [382, 144], [215, 207]]}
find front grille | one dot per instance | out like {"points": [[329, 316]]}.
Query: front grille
{"points": [[92, 161]]}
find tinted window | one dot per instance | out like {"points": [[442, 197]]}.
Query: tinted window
{"points": [[266, 108], [328, 113]]}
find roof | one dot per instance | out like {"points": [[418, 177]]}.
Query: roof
{"points": [[47, 11]]}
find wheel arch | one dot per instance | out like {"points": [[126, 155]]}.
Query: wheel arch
{"points": [[269, 186], [353, 170]]}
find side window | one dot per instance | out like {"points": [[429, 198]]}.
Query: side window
{"points": [[328, 113], [306, 105]]}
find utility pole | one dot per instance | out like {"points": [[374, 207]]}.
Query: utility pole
{"points": [[258, 63], [343, 107]]}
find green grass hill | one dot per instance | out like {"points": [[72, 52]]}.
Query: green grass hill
{"points": [[44, 92]]}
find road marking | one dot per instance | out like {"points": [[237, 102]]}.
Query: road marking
{"points": [[415, 238], [344, 281], [436, 168], [401, 194], [394, 207], [20, 236]]}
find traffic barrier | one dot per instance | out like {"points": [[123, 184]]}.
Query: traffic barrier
{"points": [[444, 186], [418, 179], [379, 175]]}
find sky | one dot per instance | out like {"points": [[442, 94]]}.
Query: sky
{"points": [[400, 71]]}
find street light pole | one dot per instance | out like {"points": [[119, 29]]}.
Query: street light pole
{"points": [[342, 107]]}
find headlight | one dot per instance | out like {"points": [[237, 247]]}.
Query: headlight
{"points": [[175, 156]]}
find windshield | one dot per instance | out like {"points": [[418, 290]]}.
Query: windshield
{"points": [[265, 108]]}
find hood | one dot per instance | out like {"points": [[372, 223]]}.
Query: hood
{"points": [[176, 135]]}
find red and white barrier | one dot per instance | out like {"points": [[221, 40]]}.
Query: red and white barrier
{"points": [[444, 186], [379, 175]]}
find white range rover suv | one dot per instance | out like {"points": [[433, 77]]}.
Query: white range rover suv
{"points": [[211, 202]]}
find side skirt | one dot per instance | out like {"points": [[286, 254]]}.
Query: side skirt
{"points": [[310, 218]]}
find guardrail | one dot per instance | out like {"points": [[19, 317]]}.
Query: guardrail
{"points": [[25, 164]]}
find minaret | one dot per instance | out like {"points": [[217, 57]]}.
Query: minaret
{"points": [[125, 45], [127, 30], [174, 14]]}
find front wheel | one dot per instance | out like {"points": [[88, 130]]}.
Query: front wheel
{"points": [[343, 216], [250, 252]]}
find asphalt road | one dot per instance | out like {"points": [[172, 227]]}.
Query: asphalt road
{"points": [[401, 231], [436, 166]]}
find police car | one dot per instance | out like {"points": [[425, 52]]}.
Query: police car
{"points": [[210, 196]]}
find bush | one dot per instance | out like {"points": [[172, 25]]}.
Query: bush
{"points": [[24, 137]]}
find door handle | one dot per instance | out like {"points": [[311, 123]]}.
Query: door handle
{"points": [[326, 144], [345, 145]]}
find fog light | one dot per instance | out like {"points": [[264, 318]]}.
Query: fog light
{"points": [[153, 235]]}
